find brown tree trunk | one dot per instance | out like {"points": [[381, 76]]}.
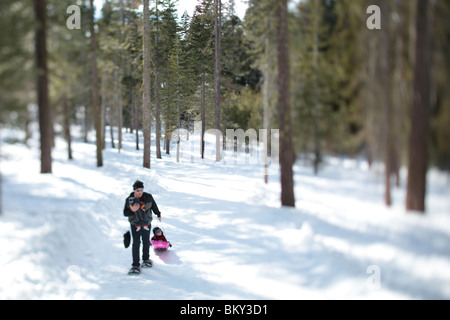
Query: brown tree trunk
{"points": [[67, 135], [418, 139], [218, 9], [45, 119], [203, 118], [284, 119], [146, 85], [118, 103], [95, 92], [386, 76]]}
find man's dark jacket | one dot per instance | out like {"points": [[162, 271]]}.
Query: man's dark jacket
{"points": [[147, 204]]}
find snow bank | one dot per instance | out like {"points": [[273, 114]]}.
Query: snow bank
{"points": [[61, 234]]}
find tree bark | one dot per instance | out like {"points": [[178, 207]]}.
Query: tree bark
{"points": [[157, 92], [118, 103], [218, 31], [418, 139], [387, 100], [203, 118], [45, 119], [284, 118], [67, 135], [146, 85], [95, 91]]}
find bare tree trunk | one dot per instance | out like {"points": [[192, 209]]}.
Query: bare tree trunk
{"points": [[67, 135], [386, 76], [316, 88], [284, 118], [95, 91], [135, 119], [111, 124], [157, 115], [202, 112], [27, 117], [418, 139], [146, 86], [167, 138], [118, 103], [45, 120], [268, 88], [86, 123], [218, 29], [157, 92], [178, 110], [103, 109]]}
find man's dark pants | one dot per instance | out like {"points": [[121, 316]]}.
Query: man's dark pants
{"points": [[137, 235]]}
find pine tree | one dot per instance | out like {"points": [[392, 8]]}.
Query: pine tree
{"points": [[200, 57]]}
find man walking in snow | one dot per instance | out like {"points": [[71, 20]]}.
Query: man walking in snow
{"points": [[146, 204]]}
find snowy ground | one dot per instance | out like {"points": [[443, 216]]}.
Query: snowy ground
{"points": [[61, 234]]}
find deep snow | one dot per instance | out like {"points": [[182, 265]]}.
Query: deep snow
{"points": [[61, 234]]}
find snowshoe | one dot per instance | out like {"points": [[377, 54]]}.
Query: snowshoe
{"points": [[134, 270], [147, 264]]}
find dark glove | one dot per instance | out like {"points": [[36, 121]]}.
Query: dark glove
{"points": [[126, 239]]}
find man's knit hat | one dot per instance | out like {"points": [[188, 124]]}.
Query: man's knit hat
{"points": [[138, 185]]}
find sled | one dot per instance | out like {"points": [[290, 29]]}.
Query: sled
{"points": [[160, 245]]}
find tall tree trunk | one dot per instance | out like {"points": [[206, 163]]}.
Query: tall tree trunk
{"points": [[95, 91], [135, 119], [86, 123], [111, 124], [268, 88], [146, 86], [218, 31], [284, 118], [418, 139], [45, 120], [118, 103], [317, 156], [178, 108], [203, 118], [387, 99], [157, 91], [67, 135], [103, 108], [157, 115]]}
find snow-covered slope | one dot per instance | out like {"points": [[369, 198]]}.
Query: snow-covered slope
{"points": [[61, 234]]}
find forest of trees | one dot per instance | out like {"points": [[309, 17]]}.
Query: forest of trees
{"points": [[313, 68]]}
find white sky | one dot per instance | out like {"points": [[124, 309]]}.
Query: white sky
{"points": [[189, 6]]}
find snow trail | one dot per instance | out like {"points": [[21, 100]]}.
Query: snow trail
{"points": [[61, 234]]}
